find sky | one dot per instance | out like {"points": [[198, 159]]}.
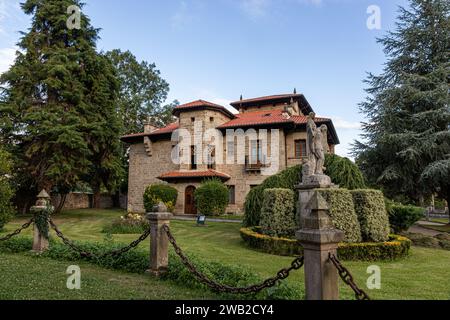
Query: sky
{"points": [[217, 50]]}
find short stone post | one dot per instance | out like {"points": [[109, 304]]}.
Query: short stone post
{"points": [[319, 238], [159, 242], [40, 241]]}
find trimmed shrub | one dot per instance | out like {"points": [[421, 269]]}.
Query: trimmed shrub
{"points": [[129, 224], [342, 172], [343, 213], [372, 215], [396, 247], [278, 213], [156, 193], [136, 261], [211, 198], [6, 192], [402, 217], [287, 179]]}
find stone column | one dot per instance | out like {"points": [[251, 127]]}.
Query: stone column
{"points": [[319, 238], [159, 242], [40, 241]]}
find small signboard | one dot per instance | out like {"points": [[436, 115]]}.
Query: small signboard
{"points": [[201, 220]]}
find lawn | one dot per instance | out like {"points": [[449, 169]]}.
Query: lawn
{"points": [[423, 275]]}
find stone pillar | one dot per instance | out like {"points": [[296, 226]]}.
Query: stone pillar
{"points": [[40, 241], [159, 242], [319, 238]]}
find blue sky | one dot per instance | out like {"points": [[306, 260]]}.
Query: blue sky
{"points": [[219, 49]]}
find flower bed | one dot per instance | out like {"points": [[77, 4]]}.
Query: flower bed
{"points": [[397, 247]]}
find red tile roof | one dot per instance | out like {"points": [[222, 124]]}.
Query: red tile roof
{"points": [[202, 104], [266, 117], [266, 98], [166, 130], [194, 174]]}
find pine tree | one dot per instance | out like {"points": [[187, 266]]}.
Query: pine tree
{"points": [[58, 101], [407, 134]]}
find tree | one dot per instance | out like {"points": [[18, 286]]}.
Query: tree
{"points": [[407, 137], [142, 92], [58, 101], [6, 192]]}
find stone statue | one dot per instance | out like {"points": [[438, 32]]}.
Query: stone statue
{"points": [[313, 169]]}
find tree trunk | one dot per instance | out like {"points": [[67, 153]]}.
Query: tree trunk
{"points": [[61, 204]]}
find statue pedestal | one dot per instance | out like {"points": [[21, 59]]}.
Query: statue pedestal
{"points": [[306, 190]]}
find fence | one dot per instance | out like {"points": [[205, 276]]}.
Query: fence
{"points": [[319, 240]]}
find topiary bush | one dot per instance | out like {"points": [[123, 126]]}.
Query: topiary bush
{"points": [[160, 192], [372, 215], [278, 213], [6, 192], [343, 213], [342, 172], [211, 198], [402, 217]]}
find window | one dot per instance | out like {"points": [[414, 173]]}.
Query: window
{"points": [[300, 149], [211, 157], [211, 119], [231, 194], [192, 119], [255, 151], [230, 149], [193, 158]]}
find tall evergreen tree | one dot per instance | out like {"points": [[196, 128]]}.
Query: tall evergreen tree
{"points": [[407, 137], [58, 100]]}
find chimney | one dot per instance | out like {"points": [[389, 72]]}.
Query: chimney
{"points": [[148, 126]]}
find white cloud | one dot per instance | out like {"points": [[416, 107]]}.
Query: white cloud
{"points": [[340, 123], [255, 8], [7, 56]]}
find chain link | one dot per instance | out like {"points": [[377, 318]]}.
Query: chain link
{"points": [[347, 277], [18, 231], [83, 253], [281, 275]]}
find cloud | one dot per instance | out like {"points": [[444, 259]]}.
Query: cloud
{"points": [[255, 8], [182, 17], [340, 123], [7, 56]]}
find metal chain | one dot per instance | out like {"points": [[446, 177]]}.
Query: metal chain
{"points": [[347, 277], [281, 275], [83, 253], [18, 231]]}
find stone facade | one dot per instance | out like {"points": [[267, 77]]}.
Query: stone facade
{"points": [[150, 152]]}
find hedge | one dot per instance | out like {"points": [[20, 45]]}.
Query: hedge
{"points": [[160, 192], [402, 217], [211, 198], [342, 213], [372, 215], [136, 261], [342, 172], [278, 213], [396, 247]]}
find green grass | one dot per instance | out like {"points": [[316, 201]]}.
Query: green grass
{"points": [[42, 278], [423, 275]]}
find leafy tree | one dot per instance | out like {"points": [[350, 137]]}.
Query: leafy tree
{"points": [[142, 92], [58, 101], [6, 192], [406, 145]]}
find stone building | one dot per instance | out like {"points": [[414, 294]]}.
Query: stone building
{"points": [[266, 136]]}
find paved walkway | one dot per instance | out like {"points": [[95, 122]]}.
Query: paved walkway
{"points": [[429, 223], [428, 232], [208, 219]]}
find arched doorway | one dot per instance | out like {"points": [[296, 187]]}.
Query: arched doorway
{"points": [[189, 202]]}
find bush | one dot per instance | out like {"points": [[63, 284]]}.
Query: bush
{"points": [[278, 213], [6, 192], [403, 217], [156, 193], [343, 213], [211, 198], [136, 261], [397, 247], [342, 172], [372, 215], [129, 224]]}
